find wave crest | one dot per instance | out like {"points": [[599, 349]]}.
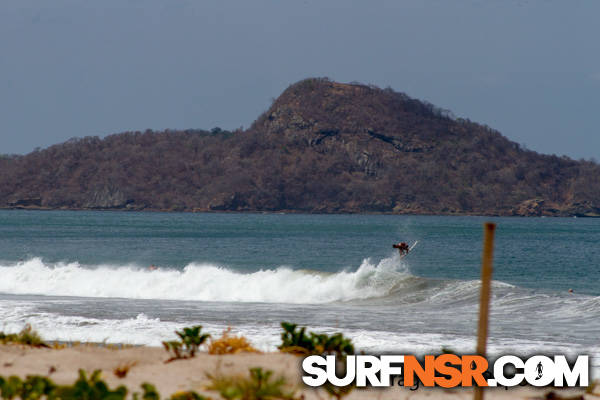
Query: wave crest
{"points": [[203, 282]]}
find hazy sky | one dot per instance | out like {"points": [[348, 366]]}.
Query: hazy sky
{"points": [[530, 69]]}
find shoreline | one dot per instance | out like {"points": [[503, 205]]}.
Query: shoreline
{"points": [[147, 364], [300, 212]]}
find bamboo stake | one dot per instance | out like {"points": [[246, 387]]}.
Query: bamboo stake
{"points": [[484, 302]]}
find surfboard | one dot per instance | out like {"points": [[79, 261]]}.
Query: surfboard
{"points": [[409, 249], [413, 246]]}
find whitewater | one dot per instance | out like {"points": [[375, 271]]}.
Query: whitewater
{"points": [[201, 282]]}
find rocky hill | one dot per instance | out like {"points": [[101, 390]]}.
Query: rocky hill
{"points": [[321, 147]]}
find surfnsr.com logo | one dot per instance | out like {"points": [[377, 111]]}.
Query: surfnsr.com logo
{"points": [[446, 370]]}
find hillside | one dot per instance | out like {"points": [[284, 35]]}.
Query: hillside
{"points": [[321, 147]]}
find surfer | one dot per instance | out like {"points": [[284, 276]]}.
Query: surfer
{"points": [[402, 248]]}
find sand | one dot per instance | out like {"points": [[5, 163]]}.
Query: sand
{"points": [[148, 365]]}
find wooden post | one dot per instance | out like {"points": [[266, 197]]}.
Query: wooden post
{"points": [[484, 301]]}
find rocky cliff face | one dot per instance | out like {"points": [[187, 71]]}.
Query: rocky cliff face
{"points": [[107, 198], [321, 147]]}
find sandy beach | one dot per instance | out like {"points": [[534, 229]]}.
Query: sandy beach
{"points": [[148, 365]]}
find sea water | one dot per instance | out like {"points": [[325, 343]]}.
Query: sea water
{"points": [[86, 276]]}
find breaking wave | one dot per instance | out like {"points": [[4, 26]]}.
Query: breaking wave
{"points": [[203, 282]]}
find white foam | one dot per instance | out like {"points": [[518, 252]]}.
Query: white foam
{"points": [[202, 282]]}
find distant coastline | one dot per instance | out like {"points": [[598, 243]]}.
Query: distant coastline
{"points": [[322, 147], [126, 210]]}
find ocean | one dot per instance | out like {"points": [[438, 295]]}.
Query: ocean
{"points": [[85, 276]]}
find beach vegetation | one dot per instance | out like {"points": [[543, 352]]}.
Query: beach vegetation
{"points": [[187, 395], [174, 348], [295, 340], [259, 385], [337, 392], [11, 387], [230, 344], [552, 395], [89, 388], [190, 340], [27, 336], [36, 387], [122, 370], [150, 392]]}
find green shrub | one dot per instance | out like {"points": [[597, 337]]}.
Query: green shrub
{"points": [[190, 339], [37, 387], [93, 388], [27, 336], [337, 392], [258, 386], [150, 392], [11, 387], [187, 396], [295, 340]]}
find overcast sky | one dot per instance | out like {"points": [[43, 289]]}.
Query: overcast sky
{"points": [[530, 69]]}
